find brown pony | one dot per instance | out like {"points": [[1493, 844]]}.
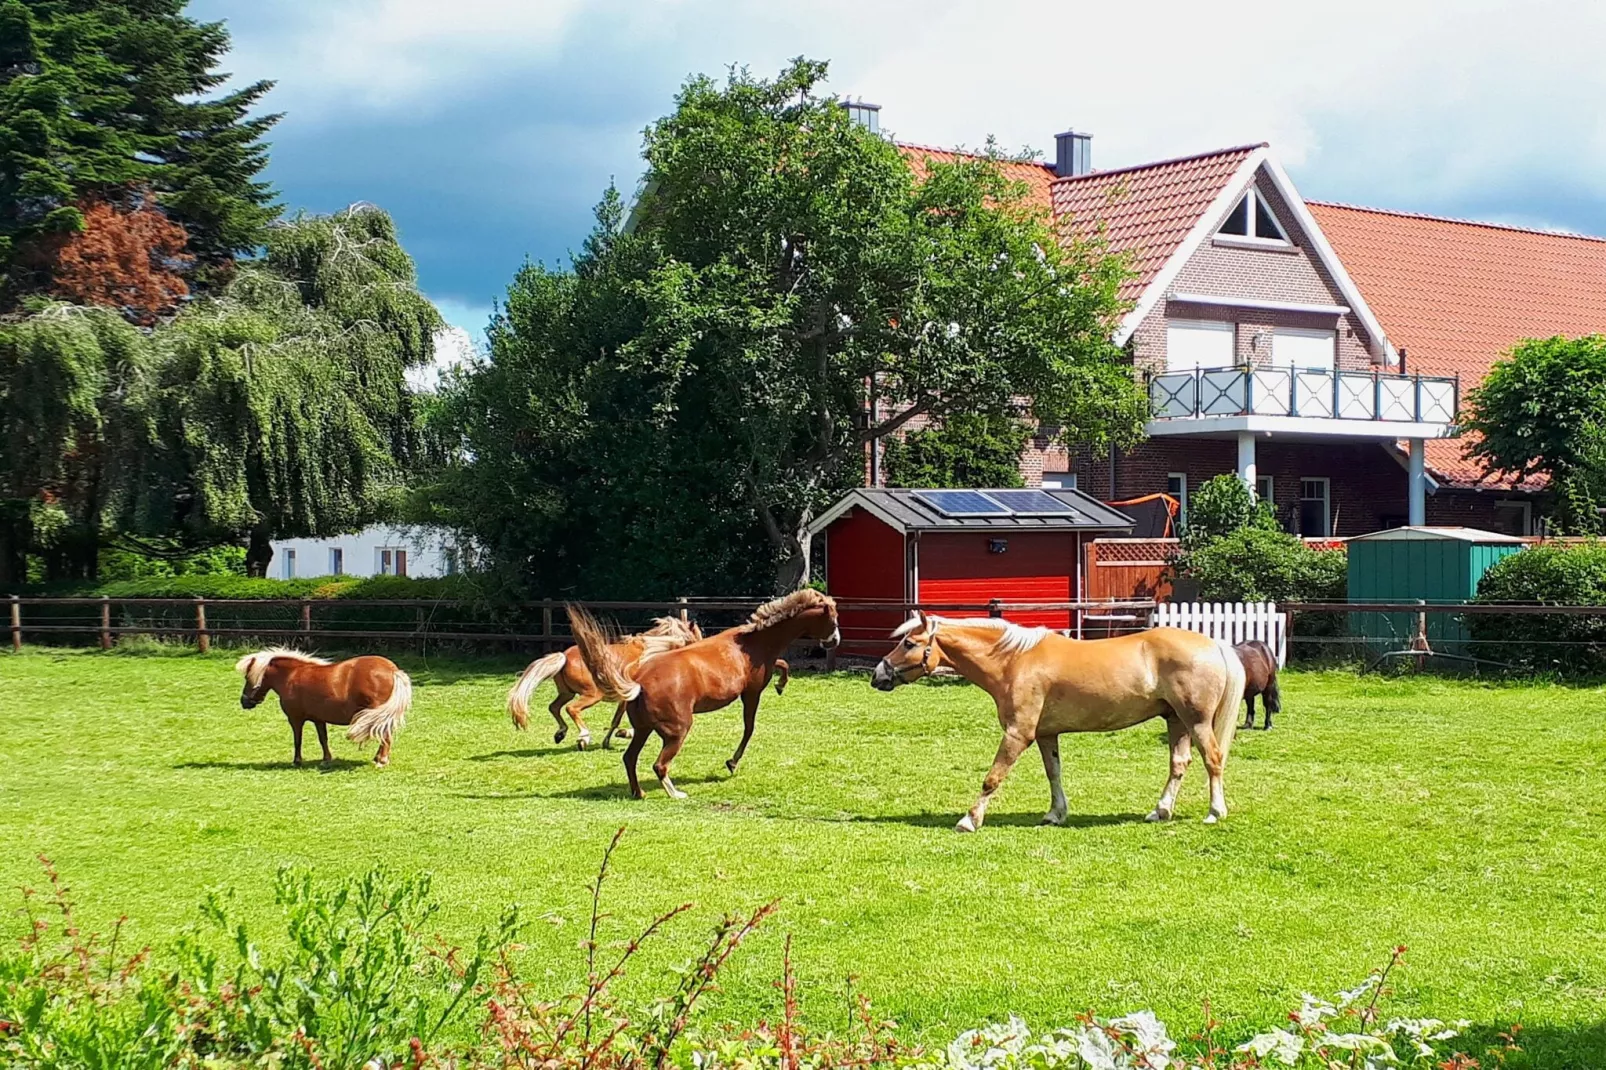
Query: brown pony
{"points": [[1260, 678], [1044, 684], [577, 691], [370, 694], [663, 694]]}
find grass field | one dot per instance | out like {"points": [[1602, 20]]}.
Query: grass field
{"points": [[1463, 820]]}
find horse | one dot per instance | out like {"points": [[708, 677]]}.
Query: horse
{"points": [[663, 694], [1260, 678], [577, 691], [780, 672], [369, 693], [1044, 684]]}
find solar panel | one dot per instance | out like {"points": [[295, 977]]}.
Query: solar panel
{"points": [[961, 503], [1031, 503]]}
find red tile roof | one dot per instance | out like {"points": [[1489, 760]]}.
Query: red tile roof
{"points": [[1455, 295], [1146, 211], [1037, 176]]}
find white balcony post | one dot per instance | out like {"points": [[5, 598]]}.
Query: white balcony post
{"points": [[1418, 484], [1246, 459]]}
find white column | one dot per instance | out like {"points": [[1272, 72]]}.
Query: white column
{"points": [[1246, 459], [1417, 490]]}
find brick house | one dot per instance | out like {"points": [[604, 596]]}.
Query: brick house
{"points": [[1273, 337]]}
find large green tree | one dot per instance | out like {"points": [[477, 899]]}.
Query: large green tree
{"points": [[1541, 410], [277, 407], [697, 388], [105, 101]]}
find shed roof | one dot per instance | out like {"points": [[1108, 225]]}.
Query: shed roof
{"points": [[898, 507], [1425, 534]]}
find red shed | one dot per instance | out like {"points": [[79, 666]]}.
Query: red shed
{"points": [[972, 546]]}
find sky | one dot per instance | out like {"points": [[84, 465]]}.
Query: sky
{"points": [[490, 128]]}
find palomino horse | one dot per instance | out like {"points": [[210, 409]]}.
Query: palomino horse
{"points": [[577, 692], [370, 694], [1260, 678], [1045, 684], [663, 694]]}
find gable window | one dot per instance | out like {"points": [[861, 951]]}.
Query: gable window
{"points": [[1252, 219], [1315, 514], [1191, 344]]}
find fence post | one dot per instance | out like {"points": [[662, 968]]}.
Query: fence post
{"points": [[306, 616], [203, 642], [995, 608], [683, 615], [16, 625], [105, 622], [547, 639]]}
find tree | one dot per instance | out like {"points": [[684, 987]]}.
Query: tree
{"points": [[706, 368], [128, 260], [965, 450], [1541, 410], [105, 102]]}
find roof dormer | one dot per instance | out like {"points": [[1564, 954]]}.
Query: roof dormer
{"points": [[1252, 220]]}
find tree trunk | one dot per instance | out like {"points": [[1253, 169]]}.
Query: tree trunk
{"points": [[258, 553]]}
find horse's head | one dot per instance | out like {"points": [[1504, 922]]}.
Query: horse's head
{"points": [[916, 654], [255, 667], [822, 623]]}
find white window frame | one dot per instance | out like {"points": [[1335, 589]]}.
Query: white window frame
{"points": [[1181, 496], [289, 563], [1527, 513], [1270, 484], [1254, 197], [393, 551], [1327, 505], [337, 561], [1062, 480], [1222, 327]]}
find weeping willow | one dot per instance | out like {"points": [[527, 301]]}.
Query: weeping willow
{"points": [[277, 408]]}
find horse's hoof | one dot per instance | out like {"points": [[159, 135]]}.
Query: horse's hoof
{"points": [[1212, 817], [560, 735], [1052, 818], [583, 742], [731, 766], [625, 733], [965, 825], [1158, 814]]}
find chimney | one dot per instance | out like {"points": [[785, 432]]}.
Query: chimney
{"points": [[866, 115], [1073, 154]]}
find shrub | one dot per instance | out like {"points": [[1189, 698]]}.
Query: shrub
{"points": [[1253, 564], [1223, 505], [1556, 574]]}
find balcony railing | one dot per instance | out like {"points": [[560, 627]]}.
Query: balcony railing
{"points": [[1309, 392]]}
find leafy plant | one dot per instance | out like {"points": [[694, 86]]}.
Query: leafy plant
{"points": [[963, 450], [1223, 505], [1254, 564], [1554, 574]]}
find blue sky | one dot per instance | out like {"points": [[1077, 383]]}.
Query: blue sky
{"points": [[489, 128]]}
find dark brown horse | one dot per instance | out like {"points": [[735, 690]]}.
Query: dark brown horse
{"points": [[663, 694], [370, 694], [1260, 678], [577, 691]]}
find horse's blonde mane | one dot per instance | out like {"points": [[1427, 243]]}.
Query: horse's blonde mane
{"points": [[1012, 638], [254, 665], [785, 608], [665, 626]]}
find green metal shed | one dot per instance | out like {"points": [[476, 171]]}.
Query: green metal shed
{"points": [[1436, 565]]}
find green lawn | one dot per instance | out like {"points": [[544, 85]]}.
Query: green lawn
{"points": [[1463, 820]]}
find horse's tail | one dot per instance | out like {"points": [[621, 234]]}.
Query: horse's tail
{"points": [[537, 673], [386, 719], [1225, 721], [605, 666], [1271, 695]]}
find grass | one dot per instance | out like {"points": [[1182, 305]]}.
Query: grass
{"points": [[1463, 820]]}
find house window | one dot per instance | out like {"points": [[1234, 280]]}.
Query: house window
{"points": [[289, 564], [1176, 485], [449, 560], [1059, 480], [1315, 514], [337, 561], [392, 562], [1513, 518], [1252, 219], [1264, 488], [1191, 344], [1296, 347]]}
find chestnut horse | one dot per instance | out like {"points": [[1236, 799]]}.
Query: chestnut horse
{"points": [[577, 692], [370, 694], [663, 693], [1045, 684]]}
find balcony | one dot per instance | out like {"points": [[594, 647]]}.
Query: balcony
{"points": [[1302, 399]]}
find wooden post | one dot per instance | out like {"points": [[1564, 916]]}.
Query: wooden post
{"points": [[203, 642], [105, 622], [16, 624], [548, 641], [306, 616], [683, 616], [995, 607]]}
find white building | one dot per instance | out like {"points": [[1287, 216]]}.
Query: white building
{"points": [[420, 551]]}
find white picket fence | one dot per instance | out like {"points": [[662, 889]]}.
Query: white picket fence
{"points": [[1236, 622]]}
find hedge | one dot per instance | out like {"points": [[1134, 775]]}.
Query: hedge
{"points": [[1558, 574]]}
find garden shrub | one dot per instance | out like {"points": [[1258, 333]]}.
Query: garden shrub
{"points": [[1254, 564], [1557, 574], [1221, 506]]}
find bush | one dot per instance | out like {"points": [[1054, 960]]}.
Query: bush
{"points": [[1258, 565], [1223, 505], [1556, 574]]}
